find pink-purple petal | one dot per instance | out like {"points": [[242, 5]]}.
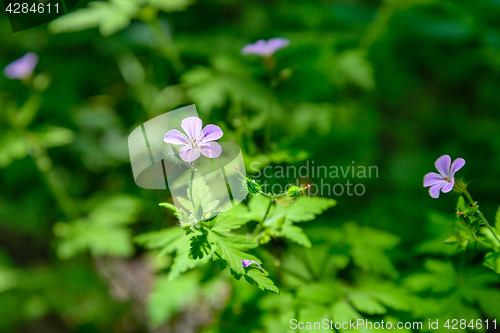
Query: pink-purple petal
{"points": [[434, 190], [22, 67], [443, 165], [432, 179], [448, 186], [211, 149], [192, 126], [188, 154], [258, 48], [176, 137], [275, 44], [457, 165], [210, 133]]}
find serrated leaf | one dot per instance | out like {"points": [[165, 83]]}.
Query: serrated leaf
{"points": [[255, 275], [101, 240], [230, 249], [182, 262], [306, 209], [492, 261], [364, 303], [295, 234], [199, 247], [167, 239], [102, 232], [226, 222]]}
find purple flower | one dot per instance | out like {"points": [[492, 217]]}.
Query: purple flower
{"points": [[247, 263], [22, 67], [445, 179], [197, 141], [265, 48]]}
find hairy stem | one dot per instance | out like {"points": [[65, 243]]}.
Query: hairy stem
{"points": [[260, 226], [481, 216]]}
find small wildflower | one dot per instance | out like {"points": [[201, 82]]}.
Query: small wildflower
{"points": [[21, 68], [265, 48], [198, 141], [445, 179], [247, 263]]}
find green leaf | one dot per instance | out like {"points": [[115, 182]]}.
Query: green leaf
{"points": [[56, 137], [255, 275], [118, 209], [167, 239], [171, 296], [230, 249], [26, 113], [306, 209], [103, 232], [366, 304], [201, 195], [170, 5], [182, 262], [109, 16], [355, 68], [226, 222], [440, 278], [100, 240], [199, 246], [492, 261], [171, 207], [295, 234]]}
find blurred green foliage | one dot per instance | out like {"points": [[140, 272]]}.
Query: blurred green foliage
{"points": [[393, 84]]}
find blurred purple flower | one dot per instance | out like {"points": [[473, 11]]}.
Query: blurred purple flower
{"points": [[22, 67], [445, 179], [247, 263], [197, 141], [265, 48]]}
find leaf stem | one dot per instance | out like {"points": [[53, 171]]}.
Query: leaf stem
{"points": [[260, 226], [273, 196]]}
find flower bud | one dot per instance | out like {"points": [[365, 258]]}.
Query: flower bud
{"points": [[460, 186], [295, 191]]}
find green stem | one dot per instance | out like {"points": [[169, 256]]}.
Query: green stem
{"points": [[260, 226], [377, 27], [191, 189], [273, 196], [481, 216]]}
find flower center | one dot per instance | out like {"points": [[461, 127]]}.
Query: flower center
{"points": [[193, 142], [447, 179]]}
